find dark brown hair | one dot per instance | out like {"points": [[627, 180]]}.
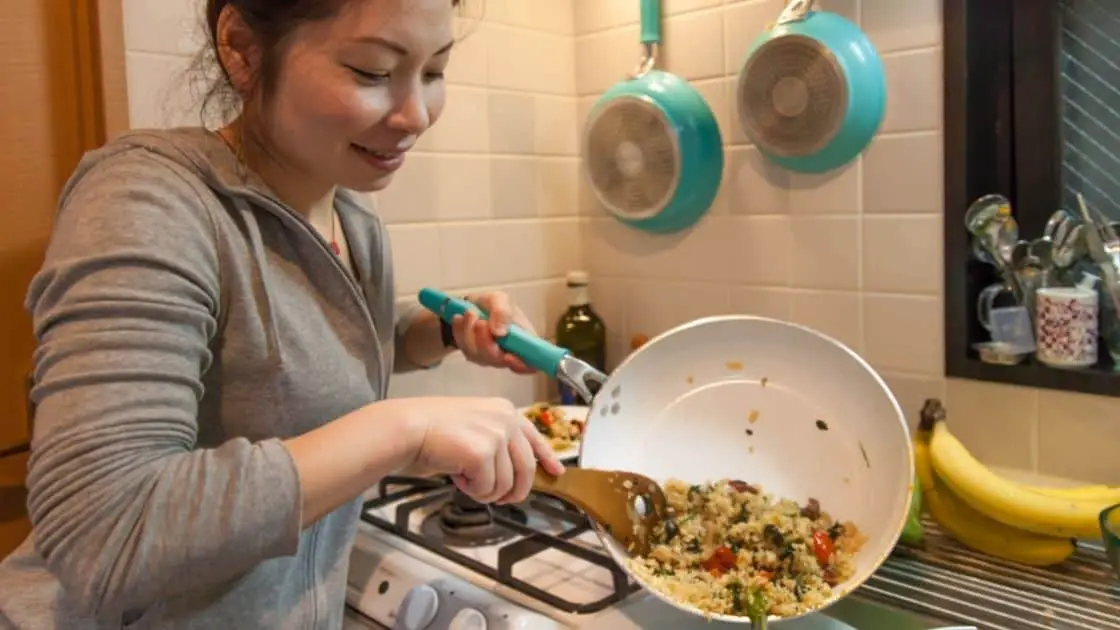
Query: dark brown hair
{"points": [[271, 22]]}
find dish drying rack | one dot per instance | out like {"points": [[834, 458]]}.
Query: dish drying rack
{"points": [[944, 579]]}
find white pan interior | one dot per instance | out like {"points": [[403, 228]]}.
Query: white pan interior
{"points": [[682, 407]]}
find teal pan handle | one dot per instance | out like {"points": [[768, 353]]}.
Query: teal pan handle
{"points": [[531, 349], [651, 21]]}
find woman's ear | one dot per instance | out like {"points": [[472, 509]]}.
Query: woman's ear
{"points": [[239, 52]]}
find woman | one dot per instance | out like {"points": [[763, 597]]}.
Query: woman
{"points": [[216, 332]]}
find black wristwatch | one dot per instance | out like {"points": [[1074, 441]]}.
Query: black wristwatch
{"points": [[446, 335]]}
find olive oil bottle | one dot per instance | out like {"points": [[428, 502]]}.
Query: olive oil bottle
{"points": [[581, 331]]}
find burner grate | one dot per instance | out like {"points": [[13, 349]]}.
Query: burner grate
{"points": [[421, 493], [945, 579]]}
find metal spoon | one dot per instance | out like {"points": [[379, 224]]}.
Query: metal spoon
{"points": [[1070, 249], [1020, 254], [1005, 237], [1059, 225], [985, 211], [1041, 251]]}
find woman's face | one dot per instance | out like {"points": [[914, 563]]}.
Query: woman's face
{"points": [[354, 93]]}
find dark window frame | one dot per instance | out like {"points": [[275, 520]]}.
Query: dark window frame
{"points": [[1001, 135]]}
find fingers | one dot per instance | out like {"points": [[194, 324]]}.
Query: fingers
{"points": [[517, 365], [489, 352], [524, 469], [500, 310], [461, 330], [479, 475], [542, 450], [503, 476], [499, 456], [478, 337], [474, 338]]}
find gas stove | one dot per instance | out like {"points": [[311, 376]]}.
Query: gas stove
{"points": [[426, 557]]}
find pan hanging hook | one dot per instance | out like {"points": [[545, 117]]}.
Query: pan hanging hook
{"points": [[795, 11], [647, 62]]}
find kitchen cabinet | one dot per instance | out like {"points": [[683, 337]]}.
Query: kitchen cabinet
{"points": [[62, 92], [14, 525]]}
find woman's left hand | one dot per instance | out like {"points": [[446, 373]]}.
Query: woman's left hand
{"points": [[477, 338]]}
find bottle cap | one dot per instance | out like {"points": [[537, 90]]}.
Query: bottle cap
{"points": [[577, 278]]}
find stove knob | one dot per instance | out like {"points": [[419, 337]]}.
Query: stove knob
{"points": [[468, 619], [418, 608]]}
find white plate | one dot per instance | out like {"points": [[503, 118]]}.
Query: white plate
{"points": [[767, 402], [571, 412]]}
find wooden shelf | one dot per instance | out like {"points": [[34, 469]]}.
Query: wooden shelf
{"points": [[1099, 380]]}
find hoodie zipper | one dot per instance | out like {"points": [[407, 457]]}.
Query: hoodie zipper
{"points": [[349, 278], [278, 207], [313, 572], [356, 292]]}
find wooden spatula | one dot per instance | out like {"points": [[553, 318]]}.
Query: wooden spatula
{"points": [[629, 506]]}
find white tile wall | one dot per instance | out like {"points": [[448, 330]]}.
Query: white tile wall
{"points": [[855, 253]]}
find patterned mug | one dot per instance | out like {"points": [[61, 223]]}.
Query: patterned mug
{"points": [[1066, 326]]}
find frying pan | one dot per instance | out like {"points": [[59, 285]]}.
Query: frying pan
{"points": [[740, 397], [812, 91], [652, 148]]}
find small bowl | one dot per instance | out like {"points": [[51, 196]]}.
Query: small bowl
{"points": [[1110, 533], [1000, 353]]}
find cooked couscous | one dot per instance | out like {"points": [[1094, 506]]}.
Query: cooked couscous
{"points": [[732, 549]]}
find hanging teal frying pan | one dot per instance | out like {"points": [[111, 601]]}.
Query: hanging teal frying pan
{"points": [[812, 92], [652, 148]]}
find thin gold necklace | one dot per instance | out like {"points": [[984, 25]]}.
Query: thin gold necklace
{"points": [[236, 150], [334, 234]]}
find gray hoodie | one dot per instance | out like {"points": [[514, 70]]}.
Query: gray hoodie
{"points": [[187, 323]]}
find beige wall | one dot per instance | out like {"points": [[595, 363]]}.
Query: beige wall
{"points": [[856, 253]]}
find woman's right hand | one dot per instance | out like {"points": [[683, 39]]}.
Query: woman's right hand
{"points": [[490, 449]]}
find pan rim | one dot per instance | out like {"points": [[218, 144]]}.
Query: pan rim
{"points": [[841, 591]]}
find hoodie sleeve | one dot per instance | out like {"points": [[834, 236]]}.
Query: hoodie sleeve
{"points": [[126, 510]]}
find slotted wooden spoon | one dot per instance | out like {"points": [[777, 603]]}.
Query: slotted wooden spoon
{"points": [[627, 505]]}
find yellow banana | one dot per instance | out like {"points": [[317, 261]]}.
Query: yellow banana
{"points": [[977, 531], [1006, 501], [1106, 495]]}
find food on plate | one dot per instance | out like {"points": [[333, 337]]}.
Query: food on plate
{"points": [[562, 432], [1001, 499], [969, 526], [732, 549]]}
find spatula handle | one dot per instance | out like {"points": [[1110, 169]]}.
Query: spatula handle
{"points": [[565, 487], [531, 349]]}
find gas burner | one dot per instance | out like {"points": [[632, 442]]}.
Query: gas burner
{"points": [[454, 527], [463, 522]]}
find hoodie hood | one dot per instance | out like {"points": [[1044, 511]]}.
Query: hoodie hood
{"points": [[201, 151], [242, 192]]}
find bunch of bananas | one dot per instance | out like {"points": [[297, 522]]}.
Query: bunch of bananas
{"points": [[1027, 524]]}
